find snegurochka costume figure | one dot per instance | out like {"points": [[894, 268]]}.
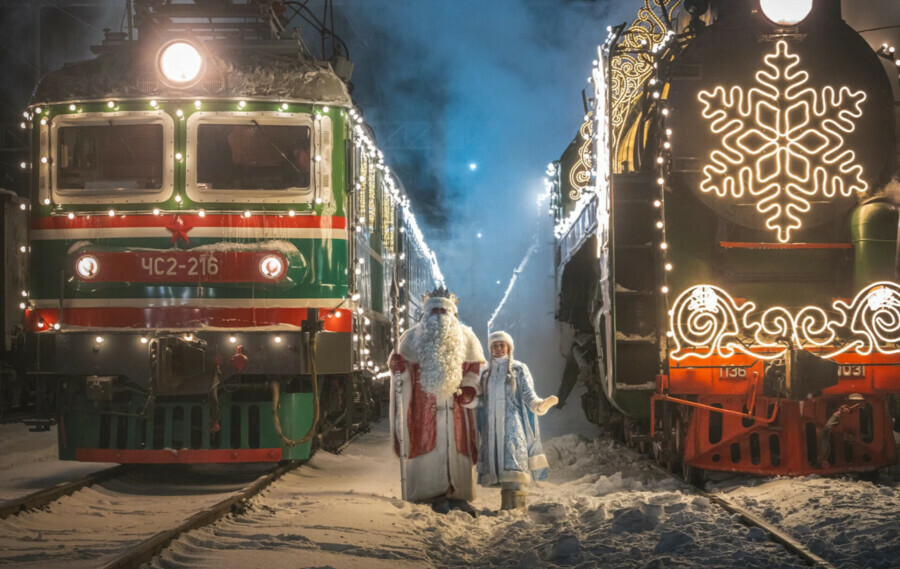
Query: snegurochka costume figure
{"points": [[510, 454], [433, 398]]}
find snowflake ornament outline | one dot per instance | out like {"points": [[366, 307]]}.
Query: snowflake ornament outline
{"points": [[782, 142]]}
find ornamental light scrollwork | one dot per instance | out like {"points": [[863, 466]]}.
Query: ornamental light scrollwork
{"points": [[782, 142], [580, 173], [705, 321], [631, 64]]}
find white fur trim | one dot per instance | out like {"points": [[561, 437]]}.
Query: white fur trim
{"points": [[501, 336], [471, 380], [537, 462], [407, 345], [472, 351]]}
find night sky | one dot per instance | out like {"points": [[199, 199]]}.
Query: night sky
{"points": [[446, 86]]}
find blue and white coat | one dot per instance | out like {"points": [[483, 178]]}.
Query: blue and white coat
{"points": [[510, 450]]}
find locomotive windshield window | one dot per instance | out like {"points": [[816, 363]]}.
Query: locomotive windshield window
{"points": [[117, 157], [253, 157]]}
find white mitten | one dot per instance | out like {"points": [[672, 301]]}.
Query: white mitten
{"points": [[545, 405]]}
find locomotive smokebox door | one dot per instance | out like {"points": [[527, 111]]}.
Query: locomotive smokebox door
{"points": [[809, 375]]}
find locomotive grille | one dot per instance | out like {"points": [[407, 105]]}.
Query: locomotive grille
{"points": [[147, 82], [213, 82]]}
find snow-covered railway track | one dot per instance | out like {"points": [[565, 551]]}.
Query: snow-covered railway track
{"points": [[134, 556], [43, 497], [129, 517], [750, 519], [753, 519]]}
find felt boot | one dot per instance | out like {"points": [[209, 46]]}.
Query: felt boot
{"points": [[507, 499], [519, 499]]}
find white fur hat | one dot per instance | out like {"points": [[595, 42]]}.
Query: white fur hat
{"points": [[500, 336]]}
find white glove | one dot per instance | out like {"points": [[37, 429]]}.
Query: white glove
{"points": [[545, 405]]}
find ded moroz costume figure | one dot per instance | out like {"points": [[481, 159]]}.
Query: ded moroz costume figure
{"points": [[511, 455], [433, 396]]}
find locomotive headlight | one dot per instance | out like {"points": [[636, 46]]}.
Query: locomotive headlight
{"points": [[87, 266], [271, 267], [786, 12], [180, 62]]}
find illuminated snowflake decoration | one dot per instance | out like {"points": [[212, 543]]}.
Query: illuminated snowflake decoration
{"points": [[782, 142]]}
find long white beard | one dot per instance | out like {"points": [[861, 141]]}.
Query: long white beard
{"points": [[441, 356]]}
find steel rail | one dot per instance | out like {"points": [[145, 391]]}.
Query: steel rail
{"points": [[151, 547], [750, 519], [44, 497]]}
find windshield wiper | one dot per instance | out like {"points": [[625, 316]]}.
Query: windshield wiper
{"points": [[275, 146], [122, 140]]}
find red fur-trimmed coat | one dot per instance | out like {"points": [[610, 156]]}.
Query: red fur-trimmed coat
{"points": [[439, 436]]}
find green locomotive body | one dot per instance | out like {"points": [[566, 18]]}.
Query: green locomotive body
{"points": [[220, 260]]}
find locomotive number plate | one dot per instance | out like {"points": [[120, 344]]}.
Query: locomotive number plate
{"points": [[732, 372], [845, 371], [203, 265], [184, 266]]}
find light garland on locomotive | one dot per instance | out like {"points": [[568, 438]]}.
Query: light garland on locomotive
{"points": [[782, 142], [706, 322], [183, 72]]}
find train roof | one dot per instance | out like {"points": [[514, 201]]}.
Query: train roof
{"points": [[130, 72]]}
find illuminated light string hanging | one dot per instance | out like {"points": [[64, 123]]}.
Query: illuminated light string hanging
{"points": [[113, 106], [371, 150], [512, 281], [375, 161], [705, 321], [890, 53], [547, 195], [782, 142]]}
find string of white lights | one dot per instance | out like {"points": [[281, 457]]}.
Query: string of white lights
{"points": [[397, 197], [512, 281]]}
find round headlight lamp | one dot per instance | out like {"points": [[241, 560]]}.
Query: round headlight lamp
{"points": [[180, 63], [786, 12], [87, 266], [271, 267]]}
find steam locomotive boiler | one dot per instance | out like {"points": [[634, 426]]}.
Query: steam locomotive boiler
{"points": [[726, 255]]}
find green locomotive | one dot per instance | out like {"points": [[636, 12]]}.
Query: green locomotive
{"points": [[220, 260]]}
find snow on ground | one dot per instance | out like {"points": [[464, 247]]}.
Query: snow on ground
{"points": [[28, 462], [851, 523], [602, 507], [86, 529]]}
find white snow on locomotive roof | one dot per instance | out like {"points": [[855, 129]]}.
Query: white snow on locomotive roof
{"points": [[124, 75], [284, 247]]}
